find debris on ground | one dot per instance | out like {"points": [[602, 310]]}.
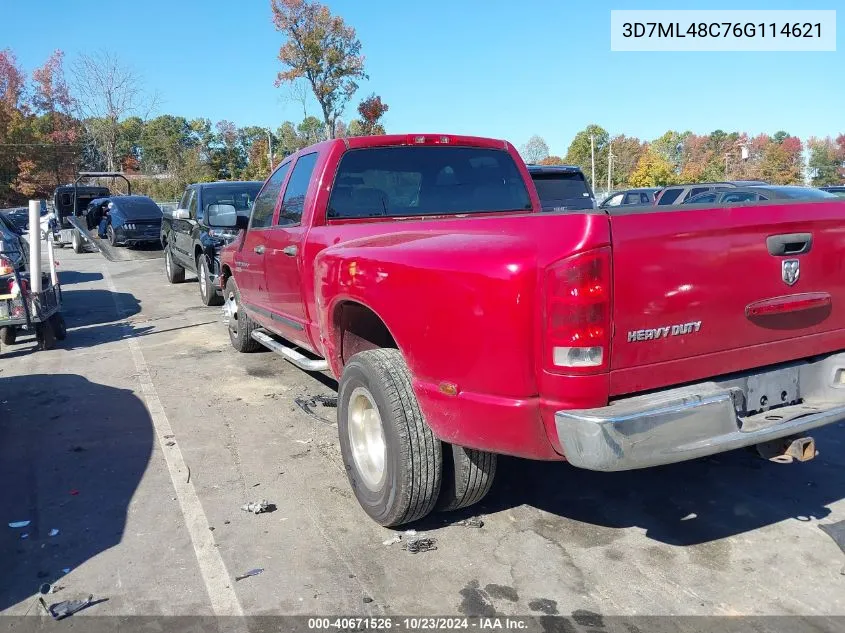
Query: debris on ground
{"points": [[257, 507], [66, 570], [393, 541], [472, 522], [66, 608], [251, 572], [309, 405], [74, 493], [53, 532], [367, 599], [169, 437], [170, 443], [19, 524], [417, 545], [47, 588], [25, 535], [308, 441], [410, 532]]}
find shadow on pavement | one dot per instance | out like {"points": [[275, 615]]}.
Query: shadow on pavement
{"points": [[680, 504], [82, 308], [72, 454], [70, 277]]}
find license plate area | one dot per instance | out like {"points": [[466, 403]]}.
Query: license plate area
{"points": [[771, 390]]}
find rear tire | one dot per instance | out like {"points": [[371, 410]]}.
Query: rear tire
{"points": [[241, 326], [467, 477], [111, 235], [59, 326], [8, 335], [45, 336], [175, 273], [377, 407], [208, 295], [76, 241]]}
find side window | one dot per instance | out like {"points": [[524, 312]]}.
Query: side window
{"points": [[742, 196], [703, 198], [614, 201], [183, 202], [697, 190], [632, 198], [644, 199], [294, 200], [265, 202], [669, 196], [192, 205]]}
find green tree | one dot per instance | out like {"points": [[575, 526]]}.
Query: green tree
{"points": [[163, 141], [652, 171], [321, 48], [581, 153], [826, 162], [670, 147], [627, 151]]}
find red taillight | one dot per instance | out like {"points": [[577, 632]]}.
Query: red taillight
{"points": [[6, 267], [577, 318]]}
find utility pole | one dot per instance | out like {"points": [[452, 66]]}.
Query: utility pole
{"points": [[593, 162], [609, 165], [270, 147]]}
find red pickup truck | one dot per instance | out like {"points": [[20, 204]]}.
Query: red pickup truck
{"points": [[462, 322]]}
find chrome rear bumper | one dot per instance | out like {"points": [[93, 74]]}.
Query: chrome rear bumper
{"points": [[684, 423]]}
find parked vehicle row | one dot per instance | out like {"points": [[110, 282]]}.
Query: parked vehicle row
{"points": [[704, 192], [462, 321]]}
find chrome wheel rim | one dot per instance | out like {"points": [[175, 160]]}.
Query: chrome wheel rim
{"points": [[366, 437], [203, 275]]}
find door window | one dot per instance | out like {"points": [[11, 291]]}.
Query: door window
{"points": [[192, 205], [614, 201], [669, 196], [265, 203], [294, 200], [183, 202], [633, 198]]}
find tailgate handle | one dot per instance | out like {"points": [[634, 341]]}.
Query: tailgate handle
{"points": [[790, 244]]}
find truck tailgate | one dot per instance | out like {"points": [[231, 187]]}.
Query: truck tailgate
{"points": [[702, 292]]}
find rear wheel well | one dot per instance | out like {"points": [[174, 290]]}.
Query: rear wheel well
{"points": [[357, 329]]}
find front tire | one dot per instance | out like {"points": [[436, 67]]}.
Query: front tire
{"points": [[111, 235], [8, 335], [393, 460], [175, 273], [241, 326], [207, 293], [59, 326]]}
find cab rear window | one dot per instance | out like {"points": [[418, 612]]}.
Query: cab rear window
{"points": [[426, 180]]}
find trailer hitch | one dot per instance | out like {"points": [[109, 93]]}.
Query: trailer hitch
{"points": [[788, 449]]}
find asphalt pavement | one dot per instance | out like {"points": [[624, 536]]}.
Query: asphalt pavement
{"points": [[131, 447]]}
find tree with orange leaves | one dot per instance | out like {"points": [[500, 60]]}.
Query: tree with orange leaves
{"points": [[323, 50]]}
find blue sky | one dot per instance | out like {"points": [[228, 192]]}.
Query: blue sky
{"points": [[492, 68]]}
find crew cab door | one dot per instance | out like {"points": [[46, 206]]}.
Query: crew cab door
{"points": [[182, 228], [283, 253], [250, 258]]}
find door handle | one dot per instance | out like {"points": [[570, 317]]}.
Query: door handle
{"points": [[790, 244], [290, 251], [259, 249]]}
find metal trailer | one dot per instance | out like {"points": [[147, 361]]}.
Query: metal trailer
{"points": [[63, 227], [38, 312]]}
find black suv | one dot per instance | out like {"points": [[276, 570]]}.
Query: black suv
{"points": [[190, 244], [562, 187]]}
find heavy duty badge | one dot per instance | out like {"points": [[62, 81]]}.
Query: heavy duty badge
{"points": [[790, 271], [651, 334]]}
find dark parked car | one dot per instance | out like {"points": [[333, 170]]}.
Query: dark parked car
{"points": [[678, 194], [630, 197], [755, 194], [190, 244], [14, 248], [133, 220], [20, 215], [562, 187]]}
